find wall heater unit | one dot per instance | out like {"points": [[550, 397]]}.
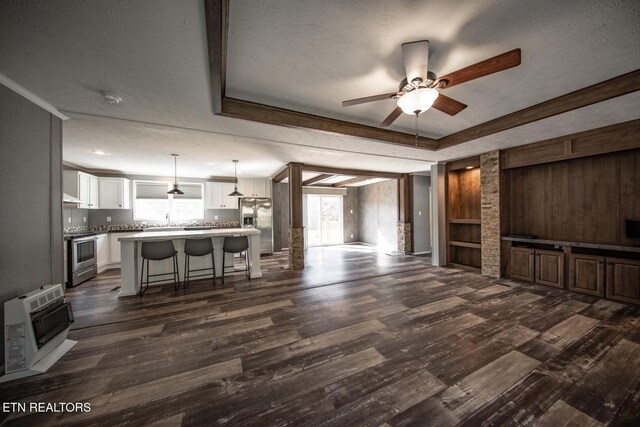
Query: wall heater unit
{"points": [[35, 331]]}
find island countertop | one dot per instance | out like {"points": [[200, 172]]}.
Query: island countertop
{"points": [[131, 253], [148, 236]]}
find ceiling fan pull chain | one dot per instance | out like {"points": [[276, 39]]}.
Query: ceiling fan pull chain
{"points": [[417, 129]]}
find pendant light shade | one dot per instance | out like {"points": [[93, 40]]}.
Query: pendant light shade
{"points": [[235, 192], [176, 188]]}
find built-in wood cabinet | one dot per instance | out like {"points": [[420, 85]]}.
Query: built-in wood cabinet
{"points": [[113, 193], [623, 280], [586, 274], [82, 186], [463, 213], [549, 268], [522, 263], [217, 195], [544, 267], [256, 187]]}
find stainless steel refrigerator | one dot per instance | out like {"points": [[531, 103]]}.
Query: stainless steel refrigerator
{"points": [[258, 213]]}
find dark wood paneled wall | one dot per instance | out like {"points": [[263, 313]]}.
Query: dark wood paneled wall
{"points": [[585, 199], [464, 194]]}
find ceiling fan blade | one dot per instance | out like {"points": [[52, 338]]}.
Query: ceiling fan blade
{"points": [[372, 98], [448, 105], [484, 68], [391, 117], [416, 59]]}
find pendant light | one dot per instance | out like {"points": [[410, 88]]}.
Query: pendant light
{"points": [[176, 189], [235, 175]]}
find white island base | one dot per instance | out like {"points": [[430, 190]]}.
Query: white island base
{"points": [[131, 259]]}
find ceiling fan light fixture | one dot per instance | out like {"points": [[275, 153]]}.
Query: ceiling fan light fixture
{"points": [[417, 101]]}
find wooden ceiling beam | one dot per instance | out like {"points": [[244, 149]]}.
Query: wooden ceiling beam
{"points": [[351, 172], [262, 113], [318, 178], [617, 86], [280, 176], [355, 180], [217, 24]]}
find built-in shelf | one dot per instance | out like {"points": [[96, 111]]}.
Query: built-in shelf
{"points": [[463, 213], [464, 221], [465, 244], [464, 266]]}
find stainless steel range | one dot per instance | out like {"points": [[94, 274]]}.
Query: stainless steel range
{"points": [[81, 257]]}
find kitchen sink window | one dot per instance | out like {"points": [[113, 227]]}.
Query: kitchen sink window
{"points": [[152, 203]]}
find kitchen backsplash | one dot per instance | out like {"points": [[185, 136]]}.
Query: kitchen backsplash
{"points": [[98, 217], [112, 227]]}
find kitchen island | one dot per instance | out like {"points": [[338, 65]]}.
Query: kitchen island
{"points": [[132, 261]]}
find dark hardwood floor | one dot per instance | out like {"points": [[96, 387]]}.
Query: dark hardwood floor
{"points": [[357, 338]]}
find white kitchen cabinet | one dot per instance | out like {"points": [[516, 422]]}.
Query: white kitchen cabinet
{"points": [[82, 186], [217, 195], [114, 193], [114, 247], [257, 187], [102, 252]]}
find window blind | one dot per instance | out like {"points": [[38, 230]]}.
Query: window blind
{"points": [[190, 190], [151, 190]]}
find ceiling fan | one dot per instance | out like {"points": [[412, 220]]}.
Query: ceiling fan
{"points": [[420, 90]]}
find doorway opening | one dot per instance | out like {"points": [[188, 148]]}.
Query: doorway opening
{"points": [[324, 220]]}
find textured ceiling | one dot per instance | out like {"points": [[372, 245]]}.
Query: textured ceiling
{"points": [[304, 55]]}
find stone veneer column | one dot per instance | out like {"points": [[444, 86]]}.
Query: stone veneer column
{"points": [[404, 237], [490, 212], [296, 248]]}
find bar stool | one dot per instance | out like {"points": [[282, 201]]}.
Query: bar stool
{"points": [[235, 245], [158, 251], [198, 247]]}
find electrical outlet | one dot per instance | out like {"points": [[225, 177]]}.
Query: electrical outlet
{"points": [[419, 213], [351, 211], [84, 219], [108, 219], [352, 236], [69, 220], [215, 217]]}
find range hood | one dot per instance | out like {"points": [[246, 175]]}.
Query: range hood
{"points": [[70, 199]]}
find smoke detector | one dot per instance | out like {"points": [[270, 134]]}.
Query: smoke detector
{"points": [[111, 98]]}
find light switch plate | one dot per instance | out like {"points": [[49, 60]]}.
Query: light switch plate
{"points": [[108, 219], [69, 220], [84, 219], [215, 217]]}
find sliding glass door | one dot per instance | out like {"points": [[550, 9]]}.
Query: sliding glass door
{"points": [[324, 220]]}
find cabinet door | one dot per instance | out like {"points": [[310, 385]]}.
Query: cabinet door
{"points": [[84, 190], [228, 202], [521, 264], [93, 193], [102, 250], [550, 268], [245, 186], [586, 274], [110, 191], [623, 280], [114, 247], [262, 187]]}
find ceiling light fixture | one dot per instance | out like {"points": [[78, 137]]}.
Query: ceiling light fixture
{"points": [[235, 176], [176, 189], [111, 98], [417, 101]]}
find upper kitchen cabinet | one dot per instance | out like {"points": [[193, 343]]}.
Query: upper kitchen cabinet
{"points": [[114, 193], [217, 195], [82, 186], [258, 187]]}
